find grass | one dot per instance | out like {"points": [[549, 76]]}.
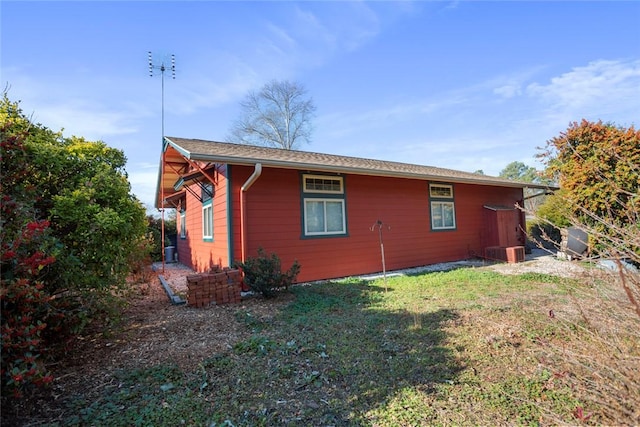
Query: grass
{"points": [[465, 347]]}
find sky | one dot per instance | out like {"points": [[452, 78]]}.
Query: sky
{"points": [[467, 85]]}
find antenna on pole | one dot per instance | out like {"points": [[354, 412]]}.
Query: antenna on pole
{"points": [[162, 68]]}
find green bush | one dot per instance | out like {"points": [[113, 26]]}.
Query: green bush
{"points": [[26, 257], [70, 231], [263, 274], [154, 233], [551, 216]]}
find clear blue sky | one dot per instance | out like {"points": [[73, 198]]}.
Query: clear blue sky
{"points": [[464, 85]]}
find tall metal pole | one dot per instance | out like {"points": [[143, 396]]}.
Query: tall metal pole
{"points": [[162, 69]]}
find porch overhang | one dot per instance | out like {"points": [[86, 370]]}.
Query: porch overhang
{"points": [[176, 173]]}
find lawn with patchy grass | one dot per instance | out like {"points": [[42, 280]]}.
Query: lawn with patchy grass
{"points": [[464, 347]]}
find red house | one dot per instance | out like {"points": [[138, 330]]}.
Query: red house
{"points": [[323, 210]]}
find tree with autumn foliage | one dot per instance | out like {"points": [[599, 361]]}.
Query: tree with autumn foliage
{"points": [[598, 168]]}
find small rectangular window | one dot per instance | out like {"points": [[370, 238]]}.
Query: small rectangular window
{"points": [[183, 224], [441, 191], [206, 192], [207, 221], [323, 184]]}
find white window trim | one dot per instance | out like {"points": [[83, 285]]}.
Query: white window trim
{"points": [[324, 177], [205, 207], [325, 233], [439, 196], [443, 227]]}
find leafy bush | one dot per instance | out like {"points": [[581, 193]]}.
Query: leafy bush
{"points": [[598, 168], [25, 306], [154, 233], [263, 274], [69, 230]]}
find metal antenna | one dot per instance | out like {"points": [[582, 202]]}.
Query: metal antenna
{"points": [[162, 67]]}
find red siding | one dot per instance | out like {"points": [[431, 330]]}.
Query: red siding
{"points": [[193, 251], [273, 206]]}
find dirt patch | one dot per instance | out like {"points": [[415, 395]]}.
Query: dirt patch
{"points": [[154, 332]]}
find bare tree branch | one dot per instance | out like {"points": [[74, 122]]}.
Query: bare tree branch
{"points": [[279, 116]]}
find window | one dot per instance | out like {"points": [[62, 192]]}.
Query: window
{"points": [[441, 191], [443, 213], [207, 221], [322, 184], [323, 216], [183, 224], [323, 206], [207, 212]]}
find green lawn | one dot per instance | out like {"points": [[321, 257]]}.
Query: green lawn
{"points": [[465, 347]]}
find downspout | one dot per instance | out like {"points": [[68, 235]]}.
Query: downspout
{"points": [[243, 214]]}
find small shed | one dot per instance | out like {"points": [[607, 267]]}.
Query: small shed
{"points": [[505, 233]]}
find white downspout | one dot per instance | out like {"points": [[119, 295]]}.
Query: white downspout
{"points": [[243, 215]]}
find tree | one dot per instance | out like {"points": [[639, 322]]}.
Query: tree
{"points": [[279, 116], [69, 229], [25, 258], [518, 171], [598, 168]]}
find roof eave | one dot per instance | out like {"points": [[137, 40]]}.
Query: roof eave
{"points": [[360, 171]]}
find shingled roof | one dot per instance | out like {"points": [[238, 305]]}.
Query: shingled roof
{"points": [[240, 154]]}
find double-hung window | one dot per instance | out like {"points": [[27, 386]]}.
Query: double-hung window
{"points": [[323, 206], [443, 213], [183, 223], [207, 212]]}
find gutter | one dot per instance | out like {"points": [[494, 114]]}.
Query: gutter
{"points": [[327, 167], [243, 214]]}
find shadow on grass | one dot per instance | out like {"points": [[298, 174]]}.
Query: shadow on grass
{"points": [[335, 356], [340, 354]]}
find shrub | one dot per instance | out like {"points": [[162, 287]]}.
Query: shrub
{"points": [[154, 233], [263, 274], [69, 230], [25, 259]]}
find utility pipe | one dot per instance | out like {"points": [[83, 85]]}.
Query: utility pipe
{"points": [[243, 215]]}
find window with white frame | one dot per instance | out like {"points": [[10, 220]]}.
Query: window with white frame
{"points": [[324, 212], [443, 213], [207, 221], [183, 223], [207, 212]]}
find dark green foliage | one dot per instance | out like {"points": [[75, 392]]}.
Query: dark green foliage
{"points": [[154, 235], [263, 274], [518, 171], [25, 305], [70, 230]]}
